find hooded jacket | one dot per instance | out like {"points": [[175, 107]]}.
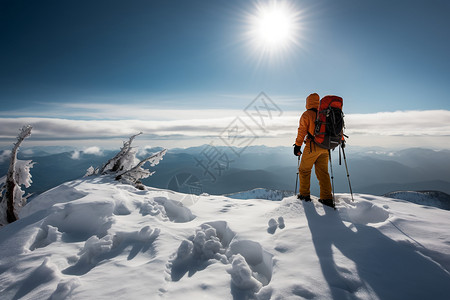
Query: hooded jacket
{"points": [[307, 120]]}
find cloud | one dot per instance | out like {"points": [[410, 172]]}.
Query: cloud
{"points": [[400, 123], [100, 111], [89, 150], [93, 150], [46, 128], [5, 155], [194, 125], [75, 155], [28, 152]]}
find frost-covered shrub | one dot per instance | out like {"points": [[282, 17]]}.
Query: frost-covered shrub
{"points": [[91, 171], [12, 196], [136, 173], [124, 160], [125, 166]]}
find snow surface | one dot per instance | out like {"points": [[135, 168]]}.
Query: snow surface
{"points": [[96, 238]]}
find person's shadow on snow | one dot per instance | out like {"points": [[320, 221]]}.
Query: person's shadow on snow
{"points": [[385, 268]]}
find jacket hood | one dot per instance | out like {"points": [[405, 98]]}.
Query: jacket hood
{"points": [[312, 101]]}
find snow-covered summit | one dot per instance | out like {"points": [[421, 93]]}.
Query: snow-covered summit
{"points": [[96, 238]]}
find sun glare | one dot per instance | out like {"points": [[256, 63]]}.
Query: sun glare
{"points": [[274, 27]]}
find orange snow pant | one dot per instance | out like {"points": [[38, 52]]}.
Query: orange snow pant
{"points": [[313, 155]]}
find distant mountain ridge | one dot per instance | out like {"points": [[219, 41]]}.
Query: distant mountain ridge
{"points": [[428, 198], [372, 172]]}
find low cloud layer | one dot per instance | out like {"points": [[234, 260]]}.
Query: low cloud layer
{"points": [[94, 150], [401, 124], [5, 155]]}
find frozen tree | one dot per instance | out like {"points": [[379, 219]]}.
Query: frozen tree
{"points": [[123, 160], [18, 174], [91, 171], [137, 173], [125, 166]]}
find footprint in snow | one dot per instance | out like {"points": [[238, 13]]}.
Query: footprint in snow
{"points": [[165, 209], [273, 225]]}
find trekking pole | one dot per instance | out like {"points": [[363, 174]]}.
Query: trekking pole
{"points": [[348, 175], [332, 178], [296, 180]]}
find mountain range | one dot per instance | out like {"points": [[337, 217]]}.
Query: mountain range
{"points": [[221, 170]]}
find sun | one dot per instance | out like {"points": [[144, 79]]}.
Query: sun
{"points": [[274, 27]]}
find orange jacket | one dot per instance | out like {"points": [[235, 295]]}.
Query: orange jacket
{"points": [[307, 119]]}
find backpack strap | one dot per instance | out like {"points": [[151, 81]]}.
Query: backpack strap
{"points": [[310, 135], [311, 142]]}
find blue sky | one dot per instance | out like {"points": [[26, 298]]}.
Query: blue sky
{"points": [[99, 60]]}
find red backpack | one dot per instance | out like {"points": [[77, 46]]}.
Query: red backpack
{"points": [[329, 129]]}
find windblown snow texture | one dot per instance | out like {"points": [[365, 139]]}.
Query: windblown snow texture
{"points": [[97, 238]]}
